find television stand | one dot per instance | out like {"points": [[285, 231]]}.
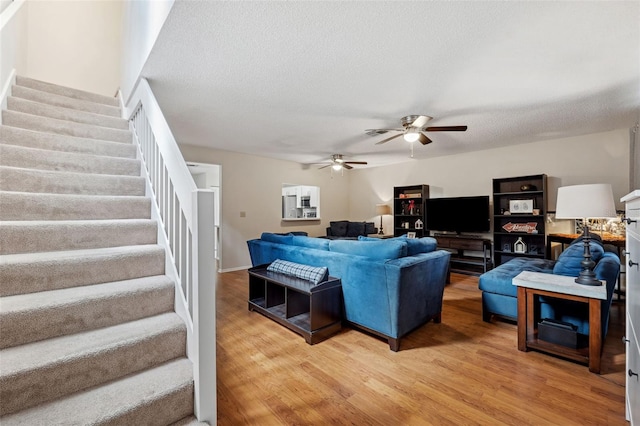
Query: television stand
{"points": [[462, 262]]}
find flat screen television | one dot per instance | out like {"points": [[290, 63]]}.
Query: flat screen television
{"points": [[458, 214]]}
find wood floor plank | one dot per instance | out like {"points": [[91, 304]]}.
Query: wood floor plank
{"points": [[461, 371]]}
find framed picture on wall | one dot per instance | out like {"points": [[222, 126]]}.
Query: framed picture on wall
{"points": [[411, 234]]}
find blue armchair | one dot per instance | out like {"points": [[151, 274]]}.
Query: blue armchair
{"points": [[499, 295]]}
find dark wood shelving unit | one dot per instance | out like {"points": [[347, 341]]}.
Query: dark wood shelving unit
{"points": [[312, 310], [463, 262], [512, 227], [402, 196]]}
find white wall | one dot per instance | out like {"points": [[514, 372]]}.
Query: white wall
{"points": [[595, 158], [13, 44], [253, 185], [142, 22], [75, 44]]}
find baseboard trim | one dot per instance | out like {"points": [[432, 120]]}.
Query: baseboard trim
{"points": [[239, 268]]}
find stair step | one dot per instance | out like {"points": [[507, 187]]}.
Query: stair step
{"points": [[49, 141], [34, 158], [33, 236], [157, 396], [62, 113], [28, 206], [30, 273], [63, 101], [42, 371], [66, 91], [55, 182], [37, 316], [33, 317], [64, 127]]}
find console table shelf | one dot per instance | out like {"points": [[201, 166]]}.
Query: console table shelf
{"points": [[463, 262], [312, 310]]}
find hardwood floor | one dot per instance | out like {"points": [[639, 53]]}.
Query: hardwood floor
{"points": [[461, 371]]}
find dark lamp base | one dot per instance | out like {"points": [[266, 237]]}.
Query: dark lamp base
{"points": [[588, 281]]}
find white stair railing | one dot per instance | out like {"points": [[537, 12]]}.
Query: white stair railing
{"points": [[186, 217]]}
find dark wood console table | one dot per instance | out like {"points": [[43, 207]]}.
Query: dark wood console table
{"points": [[312, 310], [466, 263]]}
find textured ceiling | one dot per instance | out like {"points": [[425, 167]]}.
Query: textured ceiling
{"points": [[303, 80]]}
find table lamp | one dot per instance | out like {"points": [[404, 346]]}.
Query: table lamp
{"points": [[594, 201], [382, 209]]}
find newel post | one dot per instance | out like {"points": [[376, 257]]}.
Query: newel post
{"points": [[204, 307]]}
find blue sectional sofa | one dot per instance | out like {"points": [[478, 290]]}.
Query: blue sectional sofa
{"points": [[499, 295], [390, 287]]}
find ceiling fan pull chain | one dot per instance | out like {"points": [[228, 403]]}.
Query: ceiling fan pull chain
{"points": [[411, 149]]}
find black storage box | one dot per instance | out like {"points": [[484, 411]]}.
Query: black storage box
{"points": [[558, 332]]}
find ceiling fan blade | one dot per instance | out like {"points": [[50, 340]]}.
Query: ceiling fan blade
{"points": [[388, 139], [376, 132], [355, 162], [446, 129], [324, 167], [420, 121], [346, 166], [424, 140]]}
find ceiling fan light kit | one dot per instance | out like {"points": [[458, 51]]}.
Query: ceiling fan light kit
{"points": [[412, 131]]}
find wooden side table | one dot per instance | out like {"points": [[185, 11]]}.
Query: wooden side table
{"points": [[532, 284]]}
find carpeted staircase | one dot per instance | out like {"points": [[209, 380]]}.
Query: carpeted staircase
{"points": [[87, 329]]}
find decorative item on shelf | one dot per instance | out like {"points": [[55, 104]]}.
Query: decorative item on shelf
{"points": [[401, 196], [419, 224], [529, 227], [411, 234], [519, 246], [411, 206], [506, 247], [533, 249], [382, 209], [521, 206], [536, 212], [583, 202], [528, 187]]}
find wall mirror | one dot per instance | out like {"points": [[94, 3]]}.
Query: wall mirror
{"points": [[300, 202]]}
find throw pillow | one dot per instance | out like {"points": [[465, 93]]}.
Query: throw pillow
{"points": [[355, 228], [276, 238], [315, 274], [369, 228], [339, 228], [568, 262]]}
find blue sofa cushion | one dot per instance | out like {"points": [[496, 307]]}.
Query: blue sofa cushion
{"points": [[355, 228], [414, 245], [568, 262], [499, 280], [315, 274], [377, 250], [277, 238], [339, 228], [309, 242]]}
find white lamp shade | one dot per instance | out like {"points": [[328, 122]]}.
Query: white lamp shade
{"points": [[382, 209], [585, 201]]}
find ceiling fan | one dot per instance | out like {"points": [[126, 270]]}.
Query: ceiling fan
{"points": [[337, 163], [413, 128]]}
